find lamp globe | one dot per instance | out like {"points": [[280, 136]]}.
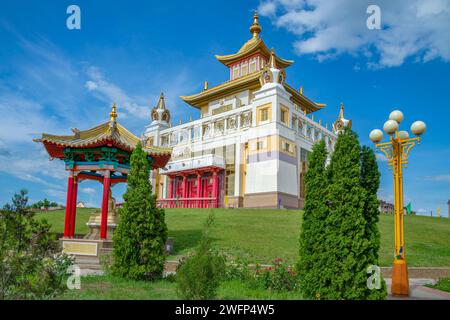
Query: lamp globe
{"points": [[376, 135], [396, 115], [390, 126], [403, 135], [418, 127]]}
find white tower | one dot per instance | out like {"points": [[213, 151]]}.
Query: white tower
{"points": [[160, 120]]}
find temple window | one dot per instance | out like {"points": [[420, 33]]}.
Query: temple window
{"points": [[284, 115], [263, 114], [244, 69], [235, 72], [252, 66]]}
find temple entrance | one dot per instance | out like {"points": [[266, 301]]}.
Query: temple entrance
{"points": [[202, 188]]}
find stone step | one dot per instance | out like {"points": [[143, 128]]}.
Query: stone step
{"points": [[87, 260], [87, 266]]}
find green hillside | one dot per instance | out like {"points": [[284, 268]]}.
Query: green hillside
{"points": [[263, 235]]}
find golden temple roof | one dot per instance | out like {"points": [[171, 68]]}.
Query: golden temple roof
{"points": [[252, 46], [248, 82], [107, 132]]}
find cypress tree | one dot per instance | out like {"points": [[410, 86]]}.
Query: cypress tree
{"points": [[312, 251], [345, 270], [370, 181], [142, 232]]}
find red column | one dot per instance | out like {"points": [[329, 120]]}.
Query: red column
{"points": [[215, 190], [184, 194], [199, 189], [170, 191], [68, 206], [74, 206], [104, 221]]}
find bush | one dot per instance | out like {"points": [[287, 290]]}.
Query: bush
{"points": [[199, 276], [30, 267], [279, 277]]}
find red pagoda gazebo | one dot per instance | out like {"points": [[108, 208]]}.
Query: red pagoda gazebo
{"points": [[101, 153]]}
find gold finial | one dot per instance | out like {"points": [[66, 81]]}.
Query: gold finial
{"points": [[190, 118], [255, 28], [341, 111], [170, 124], [113, 113], [301, 90], [312, 117], [161, 104], [320, 121], [181, 121], [205, 86], [326, 126], [272, 63]]}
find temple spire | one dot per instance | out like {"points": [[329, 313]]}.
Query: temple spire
{"points": [[255, 28], [113, 113], [272, 62], [341, 111], [161, 104]]}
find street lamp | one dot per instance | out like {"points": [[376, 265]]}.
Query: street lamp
{"points": [[397, 150]]}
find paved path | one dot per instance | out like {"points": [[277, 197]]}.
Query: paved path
{"points": [[418, 291]]}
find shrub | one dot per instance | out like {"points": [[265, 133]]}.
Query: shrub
{"points": [[199, 276], [142, 232], [30, 268], [279, 277]]}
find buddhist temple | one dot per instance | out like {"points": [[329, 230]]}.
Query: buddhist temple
{"points": [[250, 146]]}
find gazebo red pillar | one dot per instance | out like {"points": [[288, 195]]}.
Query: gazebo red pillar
{"points": [[74, 206], [68, 206], [104, 219]]}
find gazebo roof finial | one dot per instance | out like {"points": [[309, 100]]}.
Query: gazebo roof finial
{"points": [[113, 113]]}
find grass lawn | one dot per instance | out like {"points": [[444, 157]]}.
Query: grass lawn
{"points": [[113, 288], [262, 235], [442, 284]]}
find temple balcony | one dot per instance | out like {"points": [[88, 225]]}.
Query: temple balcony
{"points": [[195, 164]]}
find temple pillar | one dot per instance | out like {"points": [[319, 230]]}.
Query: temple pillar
{"points": [[68, 206], [199, 189], [184, 194], [74, 206], [215, 190], [170, 191], [104, 219]]}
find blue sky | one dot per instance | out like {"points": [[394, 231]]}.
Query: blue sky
{"points": [[53, 79]]}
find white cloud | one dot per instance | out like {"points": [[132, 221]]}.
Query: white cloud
{"points": [[443, 177], [416, 28], [88, 190], [381, 157]]}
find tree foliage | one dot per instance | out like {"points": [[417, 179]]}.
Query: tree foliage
{"points": [[312, 240], [142, 232], [340, 237], [30, 267]]}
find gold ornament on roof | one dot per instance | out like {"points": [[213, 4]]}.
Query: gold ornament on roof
{"points": [[113, 113], [255, 28]]}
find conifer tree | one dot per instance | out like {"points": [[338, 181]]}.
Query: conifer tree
{"points": [[142, 232], [347, 261], [312, 251], [370, 181]]}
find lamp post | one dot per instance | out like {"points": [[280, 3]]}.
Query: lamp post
{"points": [[397, 150]]}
